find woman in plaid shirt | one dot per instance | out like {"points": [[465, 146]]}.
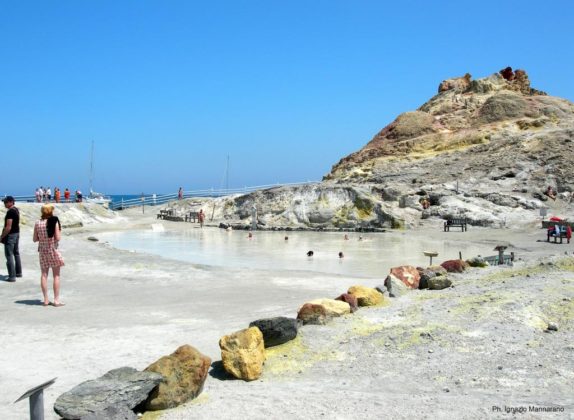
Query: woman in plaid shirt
{"points": [[48, 232]]}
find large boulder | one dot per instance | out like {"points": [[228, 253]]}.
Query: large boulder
{"points": [[407, 274], [438, 270], [184, 373], [395, 287], [350, 299], [333, 307], [439, 283], [366, 296], [426, 275], [123, 387], [277, 330], [455, 266], [243, 353], [311, 313]]}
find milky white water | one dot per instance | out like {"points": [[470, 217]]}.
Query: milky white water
{"points": [[370, 257]]}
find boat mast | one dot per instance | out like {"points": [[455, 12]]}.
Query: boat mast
{"points": [[92, 167], [227, 175]]}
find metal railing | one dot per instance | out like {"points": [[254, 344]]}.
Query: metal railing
{"points": [[156, 200]]}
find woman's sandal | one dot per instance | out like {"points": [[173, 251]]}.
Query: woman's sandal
{"points": [[57, 305]]}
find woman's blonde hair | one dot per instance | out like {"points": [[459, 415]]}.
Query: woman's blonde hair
{"points": [[47, 211]]}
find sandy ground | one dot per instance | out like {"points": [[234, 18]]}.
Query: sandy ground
{"points": [[431, 354]]}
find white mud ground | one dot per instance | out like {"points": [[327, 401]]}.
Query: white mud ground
{"points": [[431, 354]]}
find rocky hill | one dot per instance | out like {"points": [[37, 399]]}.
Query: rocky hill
{"points": [[493, 128], [485, 149]]}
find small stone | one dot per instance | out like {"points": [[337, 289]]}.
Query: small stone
{"points": [[446, 390], [499, 367], [552, 327], [93, 239], [431, 351]]}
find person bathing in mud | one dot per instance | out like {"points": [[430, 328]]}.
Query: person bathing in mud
{"points": [[550, 193]]}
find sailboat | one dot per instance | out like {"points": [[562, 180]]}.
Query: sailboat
{"points": [[95, 197]]}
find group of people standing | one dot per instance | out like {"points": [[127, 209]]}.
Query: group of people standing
{"points": [[47, 232], [44, 195]]}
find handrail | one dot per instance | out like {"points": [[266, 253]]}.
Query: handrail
{"points": [[149, 199], [162, 199]]}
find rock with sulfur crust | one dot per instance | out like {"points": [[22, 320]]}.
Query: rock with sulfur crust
{"points": [[366, 296], [333, 307], [243, 353], [184, 372], [439, 283]]}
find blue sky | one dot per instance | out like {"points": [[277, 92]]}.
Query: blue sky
{"points": [[168, 89]]}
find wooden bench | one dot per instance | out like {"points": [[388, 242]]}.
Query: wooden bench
{"points": [[551, 233], [163, 214], [192, 216], [462, 223]]}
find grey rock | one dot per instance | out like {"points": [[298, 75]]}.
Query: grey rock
{"points": [[93, 239], [277, 330], [123, 387], [112, 413], [382, 289], [552, 327], [438, 283], [395, 287], [426, 275]]}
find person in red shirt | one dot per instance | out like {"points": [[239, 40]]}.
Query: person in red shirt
{"points": [[67, 195]]}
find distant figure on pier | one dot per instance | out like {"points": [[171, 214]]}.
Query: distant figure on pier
{"points": [[341, 255], [57, 194], [310, 253], [180, 194], [48, 194], [201, 217], [79, 196], [38, 194], [67, 195]]}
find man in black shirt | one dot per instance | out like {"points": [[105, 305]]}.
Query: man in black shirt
{"points": [[10, 238]]}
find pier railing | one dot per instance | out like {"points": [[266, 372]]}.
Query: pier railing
{"points": [[156, 200]]}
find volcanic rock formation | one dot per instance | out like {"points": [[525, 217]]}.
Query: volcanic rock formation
{"points": [[483, 149]]}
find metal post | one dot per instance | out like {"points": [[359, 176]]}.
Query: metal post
{"points": [[500, 256], [143, 203], [37, 405], [36, 400]]}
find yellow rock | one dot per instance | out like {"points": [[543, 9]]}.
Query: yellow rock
{"points": [[243, 353], [366, 296], [333, 307]]}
